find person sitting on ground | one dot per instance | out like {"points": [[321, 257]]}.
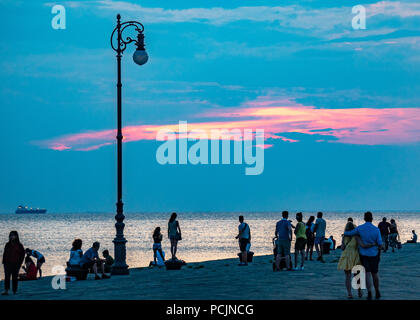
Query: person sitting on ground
{"points": [[108, 261], [91, 260], [30, 270], [157, 244], [76, 253], [331, 241], [413, 238], [40, 259], [283, 234], [300, 232]]}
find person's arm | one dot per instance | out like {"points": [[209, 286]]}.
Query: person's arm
{"points": [[290, 232], [178, 227], [362, 244], [343, 245], [353, 232], [315, 227], [297, 228]]}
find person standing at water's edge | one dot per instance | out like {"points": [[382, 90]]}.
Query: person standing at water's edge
{"points": [[300, 232], [174, 234], [394, 236], [244, 236], [369, 256], [384, 228], [284, 239], [310, 238], [319, 230], [13, 256]]}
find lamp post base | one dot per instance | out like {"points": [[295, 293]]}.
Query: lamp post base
{"points": [[119, 267]]}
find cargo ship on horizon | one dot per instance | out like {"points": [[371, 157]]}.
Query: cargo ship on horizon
{"points": [[27, 210]]}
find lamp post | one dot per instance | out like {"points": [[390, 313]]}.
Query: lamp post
{"points": [[140, 57]]}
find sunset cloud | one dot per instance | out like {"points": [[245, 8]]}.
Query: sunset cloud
{"points": [[278, 117]]}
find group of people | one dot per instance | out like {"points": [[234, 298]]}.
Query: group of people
{"points": [[14, 255], [361, 245], [90, 259]]}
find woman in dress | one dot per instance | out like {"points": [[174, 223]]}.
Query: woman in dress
{"points": [[350, 257], [174, 234]]}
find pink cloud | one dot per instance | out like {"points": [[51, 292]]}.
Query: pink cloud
{"points": [[367, 126]]}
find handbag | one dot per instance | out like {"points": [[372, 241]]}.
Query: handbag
{"points": [[178, 236]]}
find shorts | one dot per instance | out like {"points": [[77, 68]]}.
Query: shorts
{"points": [[42, 260], [88, 265], [157, 246], [310, 241], [319, 240], [283, 247], [300, 244], [243, 244], [371, 264]]}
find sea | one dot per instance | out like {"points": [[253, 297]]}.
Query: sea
{"points": [[206, 236]]}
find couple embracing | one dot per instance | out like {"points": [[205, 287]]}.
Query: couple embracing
{"points": [[361, 246]]}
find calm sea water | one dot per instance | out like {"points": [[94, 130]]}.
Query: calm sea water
{"points": [[206, 236]]}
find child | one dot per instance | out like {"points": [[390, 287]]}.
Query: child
{"points": [[30, 270], [40, 260], [108, 262]]}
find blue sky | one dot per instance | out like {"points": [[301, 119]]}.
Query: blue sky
{"points": [[213, 57]]}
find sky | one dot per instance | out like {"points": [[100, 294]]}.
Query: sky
{"points": [[339, 106]]}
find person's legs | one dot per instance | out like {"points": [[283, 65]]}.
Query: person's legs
{"points": [[175, 247], [154, 255], [302, 252], [38, 266], [375, 278], [369, 283], [386, 243], [161, 254], [348, 282], [7, 275], [95, 269], [311, 251], [15, 274], [172, 247]]}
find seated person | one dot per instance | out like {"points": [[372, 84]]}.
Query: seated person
{"points": [[30, 270], [334, 243], [90, 260], [413, 238], [329, 242], [76, 254], [108, 261]]}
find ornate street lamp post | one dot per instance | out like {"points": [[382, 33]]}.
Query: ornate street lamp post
{"points": [[140, 57]]}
